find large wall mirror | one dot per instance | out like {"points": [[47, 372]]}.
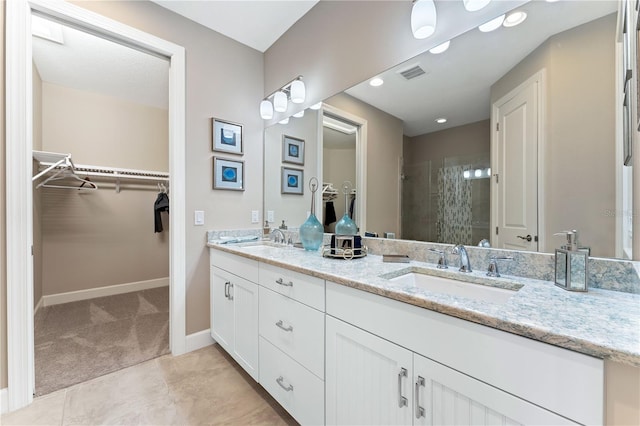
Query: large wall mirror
{"points": [[550, 80]]}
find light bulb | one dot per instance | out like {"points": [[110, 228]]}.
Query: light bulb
{"points": [[375, 82], [440, 48], [266, 110], [492, 25], [298, 92], [466, 174], [280, 101], [423, 18]]}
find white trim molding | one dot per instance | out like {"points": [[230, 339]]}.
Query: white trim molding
{"points": [[19, 145], [92, 293], [4, 404], [198, 340]]}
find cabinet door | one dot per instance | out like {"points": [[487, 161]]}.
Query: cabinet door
{"points": [[245, 322], [221, 308], [443, 396], [368, 379]]}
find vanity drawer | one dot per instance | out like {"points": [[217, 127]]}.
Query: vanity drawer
{"points": [[299, 391], [303, 288], [237, 265], [294, 328]]}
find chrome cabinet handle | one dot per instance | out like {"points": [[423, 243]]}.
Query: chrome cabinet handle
{"points": [[230, 288], [280, 324], [402, 401], [280, 381], [281, 282], [226, 289], [416, 394]]}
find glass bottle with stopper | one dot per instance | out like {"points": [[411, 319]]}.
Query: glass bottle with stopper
{"points": [[312, 231], [346, 226]]}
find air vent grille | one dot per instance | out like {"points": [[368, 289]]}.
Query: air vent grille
{"points": [[412, 72]]}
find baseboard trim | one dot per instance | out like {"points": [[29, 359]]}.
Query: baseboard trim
{"points": [[74, 296], [39, 305], [4, 402], [199, 340]]}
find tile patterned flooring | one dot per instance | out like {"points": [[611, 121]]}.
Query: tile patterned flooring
{"points": [[204, 387]]}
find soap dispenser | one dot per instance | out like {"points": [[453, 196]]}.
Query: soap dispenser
{"points": [[572, 264]]}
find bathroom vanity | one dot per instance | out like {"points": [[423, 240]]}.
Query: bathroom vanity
{"points": [[354, 342]]}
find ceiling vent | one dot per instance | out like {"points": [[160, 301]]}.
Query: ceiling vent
{"points": [[412, 72]]}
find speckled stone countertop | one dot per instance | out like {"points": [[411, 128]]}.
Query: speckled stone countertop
{"points": [[601, 323]]}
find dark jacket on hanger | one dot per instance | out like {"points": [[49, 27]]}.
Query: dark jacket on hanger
{"points": [[329, 213], [161, 205]]}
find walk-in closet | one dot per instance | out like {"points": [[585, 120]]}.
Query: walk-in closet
{"points": [[101, 189]]}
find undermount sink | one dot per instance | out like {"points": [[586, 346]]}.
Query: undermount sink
{"points": [[476, 291]]}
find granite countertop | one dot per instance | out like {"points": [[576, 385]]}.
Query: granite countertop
{"points": [[600, 323]]}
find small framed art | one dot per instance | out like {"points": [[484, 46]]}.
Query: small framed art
{"points": [[227, 136], [292, 150], [292, 181], [228, 174]]}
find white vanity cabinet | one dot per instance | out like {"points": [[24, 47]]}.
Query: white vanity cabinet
{"points": [[292, 341], [234, 307]]}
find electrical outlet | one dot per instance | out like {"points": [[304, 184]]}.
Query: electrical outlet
{"points": [[270, 216], [198, 218], [255, 216]]}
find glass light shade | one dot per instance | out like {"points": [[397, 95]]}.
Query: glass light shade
{"points": [[440, 48], [284, 121], [299, 114], [280, 101], [316, 107], [473, 5], [492, 25], [266, 110], [298, 92], [423, 18]]}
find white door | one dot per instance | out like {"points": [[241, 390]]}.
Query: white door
{"points": [[222, 308], [368, 379], [445, 396], [245, 322], [515, 169]]}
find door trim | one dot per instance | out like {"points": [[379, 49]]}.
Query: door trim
{"points": [[540, 78], [19, 190]]}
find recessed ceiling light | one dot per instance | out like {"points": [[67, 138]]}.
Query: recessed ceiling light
{"points": [[473, 5], [440, 48], [316, 107], [492, 25], [375, 82], [299, 114], [285, 121], [441, 120], [515, 18]]}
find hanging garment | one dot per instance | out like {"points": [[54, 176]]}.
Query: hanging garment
{"points": [[329, 213], [161, 205]]}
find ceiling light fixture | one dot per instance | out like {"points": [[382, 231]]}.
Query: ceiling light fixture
{"points": [[316, 107], [492, 25], [376, 82], [423, 18], [284, 121], [515, 18], [299, 114], [440, 48], [441, 120], [473, 5], [294, 90]]}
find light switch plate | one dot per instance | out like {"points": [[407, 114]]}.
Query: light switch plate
{"points": [[255, 216], [270, 216], [198, 218]]}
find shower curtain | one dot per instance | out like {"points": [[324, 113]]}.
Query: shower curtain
{"points": [[454, 205]]}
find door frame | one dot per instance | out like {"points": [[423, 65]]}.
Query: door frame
{"points": [[19, 189], [540, 79]]}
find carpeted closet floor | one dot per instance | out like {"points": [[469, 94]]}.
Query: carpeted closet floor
{"points": [[78, 341]]}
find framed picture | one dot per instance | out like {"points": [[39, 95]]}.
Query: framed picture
{"points": [[292, 150], [227, 136], [228, 174], [292, 181]]}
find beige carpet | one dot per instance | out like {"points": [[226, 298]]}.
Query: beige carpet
{"points": [[78, 341]]}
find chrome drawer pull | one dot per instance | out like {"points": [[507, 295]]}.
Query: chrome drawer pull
{"points": [[281, 282], [226, 289], [419, 410], [402, 401], [280, 381], [280, 324], [230, 288]]}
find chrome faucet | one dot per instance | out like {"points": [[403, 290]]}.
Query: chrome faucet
{"points": [[276, 237], [465, 263]]}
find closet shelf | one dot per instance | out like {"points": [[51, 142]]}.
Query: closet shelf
{"points": [[56, 166]]}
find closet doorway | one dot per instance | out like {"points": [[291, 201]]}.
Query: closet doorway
{"points": [[101, 248], [20, 168]]}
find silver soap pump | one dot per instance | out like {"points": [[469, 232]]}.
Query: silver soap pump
{"points": [[572, 264]]}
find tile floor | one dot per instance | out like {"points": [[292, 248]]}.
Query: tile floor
{"points": [[202, 387]]}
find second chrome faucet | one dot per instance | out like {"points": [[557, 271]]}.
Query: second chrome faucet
{"points": [[465, 263]]}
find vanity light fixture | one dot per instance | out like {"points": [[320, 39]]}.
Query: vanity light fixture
{"points": [[376, 82], [441, 120], [316, 107], [299, 114], [278, 100], [423, 18], [492, 25], [515, 18], [474, 5], [440, 48], [284, 121]]}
